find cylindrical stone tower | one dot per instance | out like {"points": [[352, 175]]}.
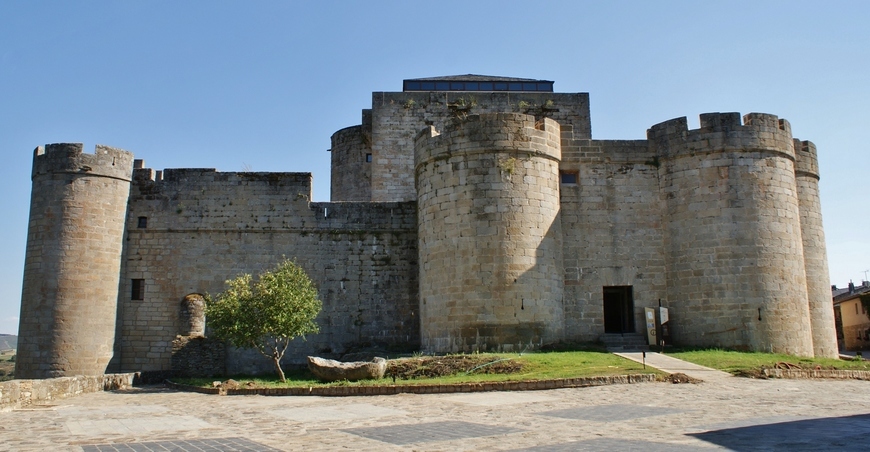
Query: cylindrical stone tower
{"points": [[489, 234], [73, 260], [351, 152], [735, 262], [192, 315], [815, 252]]}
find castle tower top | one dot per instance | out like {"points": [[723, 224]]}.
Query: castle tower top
{"points": [[806, 159], [69, 158], [723, 132]]}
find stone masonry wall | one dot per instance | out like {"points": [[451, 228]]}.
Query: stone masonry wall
{"points": [[612, 223], [204, 227], [735, 265], [489, 234], [197, 356], [72, 262], [398, 117], [815, 252]]}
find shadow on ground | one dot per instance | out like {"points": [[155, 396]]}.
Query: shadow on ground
{"points": [[830, 433]]}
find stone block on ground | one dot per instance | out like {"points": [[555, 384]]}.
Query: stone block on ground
{"points": [[331, 370]]}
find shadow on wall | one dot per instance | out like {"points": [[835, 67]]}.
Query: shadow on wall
{"points": [[534, 296]]}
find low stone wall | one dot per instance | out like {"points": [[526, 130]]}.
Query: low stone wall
{"points": [[198, 356], [818, 373], [24, 393], [534, 385]]}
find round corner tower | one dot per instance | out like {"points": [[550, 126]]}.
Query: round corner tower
{"points": [[489, 234], [815, 252], [351, 154], [72, 264], [735, 262]]}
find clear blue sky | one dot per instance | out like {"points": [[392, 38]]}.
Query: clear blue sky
{"points": [[263, 85]]}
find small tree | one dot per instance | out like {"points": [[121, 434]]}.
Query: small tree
{"points": [[266, 314]]}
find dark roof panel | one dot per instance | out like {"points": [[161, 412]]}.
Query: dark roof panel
{"points": [[472, 82], [475, 78]]}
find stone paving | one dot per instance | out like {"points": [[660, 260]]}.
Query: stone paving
{"points": [[672, 365], [725, 414]]}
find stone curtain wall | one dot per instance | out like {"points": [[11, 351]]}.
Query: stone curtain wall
{"points": [[398, 117], [735, 262], [612, 222], [490, 235], [204, 227], [74, 238], [815, 251]]}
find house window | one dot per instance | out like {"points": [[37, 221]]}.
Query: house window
{"points": [[368, 158], [143, 223], [568, 177], [138, 289]]}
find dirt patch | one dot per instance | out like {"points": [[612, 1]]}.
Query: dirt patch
{"points": [[442, 366], [759, 372], [750, 373], [233, 384], [680, 378]]}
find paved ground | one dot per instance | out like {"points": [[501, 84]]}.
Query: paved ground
{"points": [[728, 413]]}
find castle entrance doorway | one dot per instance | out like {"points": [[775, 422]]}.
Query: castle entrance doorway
{"points": [[618, 310]]}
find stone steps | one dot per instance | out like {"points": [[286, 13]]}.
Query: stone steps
{"points": [[624, 342]]}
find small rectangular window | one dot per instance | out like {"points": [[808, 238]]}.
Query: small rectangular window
{"points": [[568, 177], [143, 223], [427, 86], [442, 86], [138, 289], [486, 86], [368, 158]]}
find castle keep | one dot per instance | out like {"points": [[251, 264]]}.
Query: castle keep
{"points": [[467, 213]]}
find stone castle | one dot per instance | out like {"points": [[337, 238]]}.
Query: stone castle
{"points": [[467, 213]]}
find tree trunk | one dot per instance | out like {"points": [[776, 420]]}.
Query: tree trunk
{"points": [[277, 361]]}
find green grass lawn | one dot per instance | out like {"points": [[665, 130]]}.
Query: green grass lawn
{"points": [[737, 362], [7, 367], [536, 366], [563, 364]]}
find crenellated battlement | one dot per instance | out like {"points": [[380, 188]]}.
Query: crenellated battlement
{"points": [[149, 180], [491, 132], [722, 132], [69, 158], [806, 160]]}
